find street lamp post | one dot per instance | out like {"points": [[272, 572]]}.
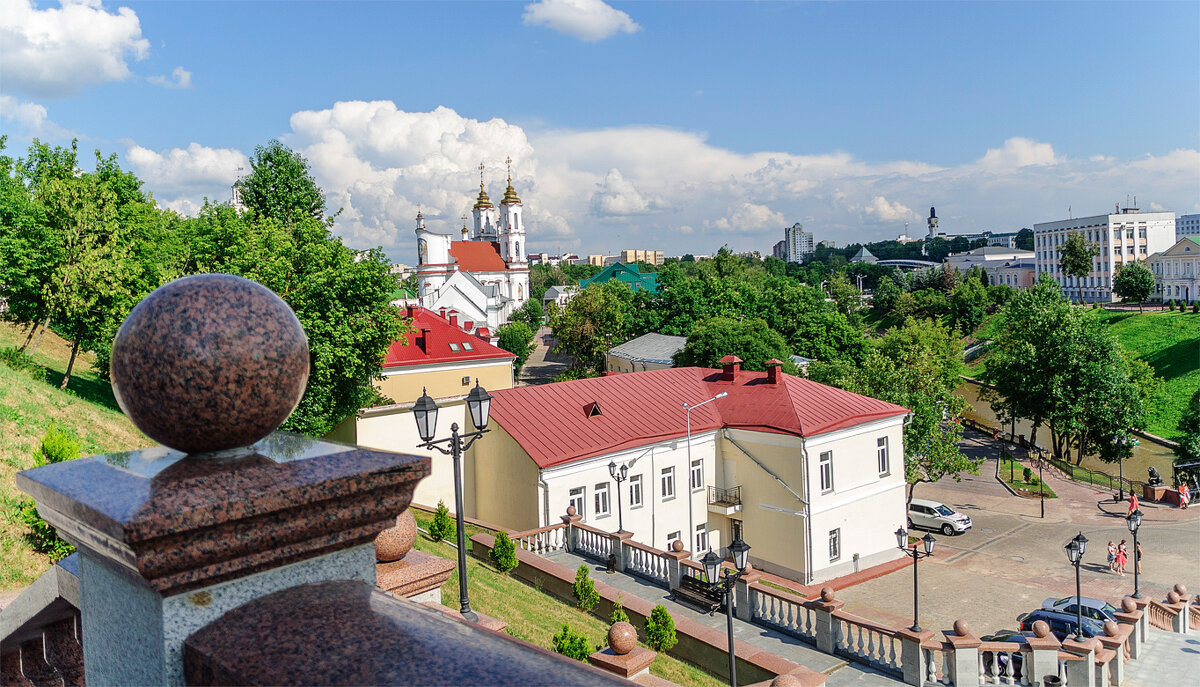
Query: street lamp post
{"points": [[425, 412], [1042, 485], [916, 554], [739, 550], [687, 409], [618, 476], [1075, 550], [1134, 521]]}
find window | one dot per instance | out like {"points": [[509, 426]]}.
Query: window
{"points": [[672, 538], [1129, 233], [827, 471], [701, 538], [454, 347], [697, 476], [882, 453], [835, 544], [577, 501], [467, 346], [635, 491], [601, 498], [668, 483]]}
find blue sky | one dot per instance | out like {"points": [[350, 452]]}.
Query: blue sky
{"points": [[680, 126]]}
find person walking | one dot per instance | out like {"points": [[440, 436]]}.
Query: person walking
{"points": [[1133, 503], [1137, 558], [1112, 556], [1122, 557], [1185, 495]]}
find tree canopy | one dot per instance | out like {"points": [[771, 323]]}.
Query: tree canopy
{"points": [[1077, 254], [751, 340], [1134, 282], [280, 186]]}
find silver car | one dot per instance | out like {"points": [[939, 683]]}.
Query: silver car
{"points": [[937, 516]]}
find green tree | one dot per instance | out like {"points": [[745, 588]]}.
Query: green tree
{"points": [[595, 320], [967, 306], [57, 445], [1188, 450], [660, 630], [1076, 261], [516, 338], [442, 525], [571, 644], [751, 340], [280, 186], [504, 553], [1134, 282], [1025, 239], [584, 589], [618, 613], [886, 294], [531, 314]]}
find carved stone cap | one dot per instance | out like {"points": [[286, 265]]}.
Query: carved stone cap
{"points": [[961, 636], [185, 522]]}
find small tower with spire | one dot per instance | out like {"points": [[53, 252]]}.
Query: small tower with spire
{"points": [[487, 220], [512, 228]]}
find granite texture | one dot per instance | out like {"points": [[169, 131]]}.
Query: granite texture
{"points": [[209, 362], [417, 572], [64, 650], [348, 633], [622, 638], [393, 543], [186, 522], [626, 665]]}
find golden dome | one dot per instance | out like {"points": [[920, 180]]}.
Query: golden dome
{"points": [[482, 201], [510, 194]]}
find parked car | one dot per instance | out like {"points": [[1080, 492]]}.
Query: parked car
{"points": [[936, 516], [1002, 659], [1092, 608], [1062, 625]]}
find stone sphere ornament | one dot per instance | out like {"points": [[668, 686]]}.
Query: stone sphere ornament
{"points": [[677, 546], [395, 542], [1041, 629], [1128, 605], [786, 680], [622, 638], [962, 628], [209, 362], [827, 594]]}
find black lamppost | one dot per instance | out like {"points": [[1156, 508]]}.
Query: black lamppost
{"points": [[1134, 521], [1075, 550], [1042, 484], [618, 476], [739, 550], [916, 554], [425, 412]]}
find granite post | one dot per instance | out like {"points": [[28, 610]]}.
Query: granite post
{"points": [[913, 659], [1043, 654], [964, 659], [743, 603], [826, 626], [1081, 672]]}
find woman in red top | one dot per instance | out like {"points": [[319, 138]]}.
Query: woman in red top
{"points": [[1122, 558], [1133, 503]]}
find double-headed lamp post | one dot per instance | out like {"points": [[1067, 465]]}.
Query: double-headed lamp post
{"points": [[916, 554], [619, 476], [1075, 550], [740, 551], [1134, 521], [425, 412]]}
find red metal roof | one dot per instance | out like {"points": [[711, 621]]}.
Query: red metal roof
{"points": [[430, 343], [477, 256], [553, 424]]}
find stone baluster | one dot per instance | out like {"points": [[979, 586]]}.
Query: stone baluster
{"points": [[1043, 650], [741, 600], [827, 626], [964, 661]]}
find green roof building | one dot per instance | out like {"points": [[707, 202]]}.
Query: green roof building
{"points": [[646, 281]]}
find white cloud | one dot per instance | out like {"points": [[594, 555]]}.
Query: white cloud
{"points": [[587, 20], [749, 218], [1018, 152], [889, 212], [618, 196], [30, 117], [181, 178], [53, 53], [182, 79]]}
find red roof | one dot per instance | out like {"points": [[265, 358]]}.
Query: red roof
{"points": [[477, 256], [556, 423], [430, 343]]}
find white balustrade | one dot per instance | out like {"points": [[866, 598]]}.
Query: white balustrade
{"points": [[647, 563], [593, 543], [543, 540], [1004, 666], [792, 617], [869, 643]]}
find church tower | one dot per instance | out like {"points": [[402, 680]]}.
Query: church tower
{"points": [[487, 221], [512, 226]]}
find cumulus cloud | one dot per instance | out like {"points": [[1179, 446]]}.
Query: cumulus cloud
{"points": [[54, 52], [180, 78], [181, 178], [618, 196], [887, 211], [749, 218], [1018, 152], [587, 20]]}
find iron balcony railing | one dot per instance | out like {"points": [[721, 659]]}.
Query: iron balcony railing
{"points": [[725, 497]]}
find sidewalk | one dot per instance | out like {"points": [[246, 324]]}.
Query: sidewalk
{"points": [[841, 672]]}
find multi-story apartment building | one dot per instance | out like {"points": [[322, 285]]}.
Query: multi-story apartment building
{"points": [[797, 243], [650, 257], [1187, 225], [1123, 237]]}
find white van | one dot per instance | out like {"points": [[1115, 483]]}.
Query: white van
{"points": [[936, 516]]}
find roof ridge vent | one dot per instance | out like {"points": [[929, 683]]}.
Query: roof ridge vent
{"points": [[593, 409]]}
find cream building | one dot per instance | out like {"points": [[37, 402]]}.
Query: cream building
{"points": [[1177, 271], [811, 476]]}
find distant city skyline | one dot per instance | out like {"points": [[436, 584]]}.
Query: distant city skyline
{"points": [[672, 126]]}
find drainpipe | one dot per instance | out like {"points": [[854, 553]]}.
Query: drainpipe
{"points": [[545, 498], [808, 563]]}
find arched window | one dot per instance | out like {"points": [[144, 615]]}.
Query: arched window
{"points": [[517, 249]]}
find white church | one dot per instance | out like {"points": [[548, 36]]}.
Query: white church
{"points": [[485, 276]]}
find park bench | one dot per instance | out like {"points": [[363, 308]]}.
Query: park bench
{"points": [[699, 593]]}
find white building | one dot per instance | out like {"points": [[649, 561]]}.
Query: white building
{"points": [[1123, 237], [985, 255], [797, 244], [493, 254], [1177, 271], [1187, 225]]}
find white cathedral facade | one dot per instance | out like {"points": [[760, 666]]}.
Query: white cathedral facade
{"points": [[485, 276]]}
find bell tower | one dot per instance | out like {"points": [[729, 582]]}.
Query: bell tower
{"points": [[487, 222], [512, 227]]}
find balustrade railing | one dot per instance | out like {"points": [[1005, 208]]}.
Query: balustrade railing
{"points": [[937, 670], [725, 497], [1161, 617], [690, 568], [648, 563], [783, 612], [1004, 663], [867, 642], [542, 540], [1193, 617], [592, 542]]}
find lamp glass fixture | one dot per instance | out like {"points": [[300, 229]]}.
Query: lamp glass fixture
{"points": [[624, 472], [712, 564], [1134, 520], [902, 538], [1082, 543], [740, 551], [928, 541], [479, 401], [425, 412], [612, 469], [1072, 549]]}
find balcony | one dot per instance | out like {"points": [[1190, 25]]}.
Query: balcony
{"points": [[725, 501]]}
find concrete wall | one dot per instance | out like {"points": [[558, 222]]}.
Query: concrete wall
{"points": [[404, 384], [506, 478]]}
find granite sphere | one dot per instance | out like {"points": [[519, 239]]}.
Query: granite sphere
{"points": [[826, 594], [209, 362], [622, 638], [1041, 629], [677, 546], [1110, 628], [1128, 605], [962, 628], [571, 511], [393, 543], [786, 680], [1181, 590], [1172, 597]]}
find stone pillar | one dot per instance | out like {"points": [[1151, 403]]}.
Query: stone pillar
{"points": [[1113, 640], [1144, 620], [1179, 602], [964, 662], [743, 604], [618, 548], [1082, 673], [171, 539], [1131, 616], [826, 628], [623, 656], [570, 519], [912, 656], [1043, 654], [674, 568]]}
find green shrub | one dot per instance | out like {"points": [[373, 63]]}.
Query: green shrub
{"points": [[57, 446], [585, 589], [660, 629], [618, 613], [1171, 304], [14, 358], [571, 644], [1027, 474], [1196, 307], [504, 553], [442, 525]]}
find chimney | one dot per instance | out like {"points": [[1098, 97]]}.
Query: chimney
{"points": [[773, 370], [730, 365], [454, 319], [423, 339]]}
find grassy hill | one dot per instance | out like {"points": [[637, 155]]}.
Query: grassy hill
{"points": [[28, 406]]}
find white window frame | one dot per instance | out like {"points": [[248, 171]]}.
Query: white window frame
{"points": [[881, 453], [635, 491], [835, 544], [667, 479], [697, 475], [601, 500], [701, 538], [672, 538], [825, 469], [578, 498]]}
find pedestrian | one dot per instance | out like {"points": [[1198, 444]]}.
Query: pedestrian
{"points": [[1122, 557], [1133, 503], [1185, 495], [1112, 556], [1137, 557]]}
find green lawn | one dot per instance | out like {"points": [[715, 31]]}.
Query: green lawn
{"points": [[534, 616], [1013, 473]]}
